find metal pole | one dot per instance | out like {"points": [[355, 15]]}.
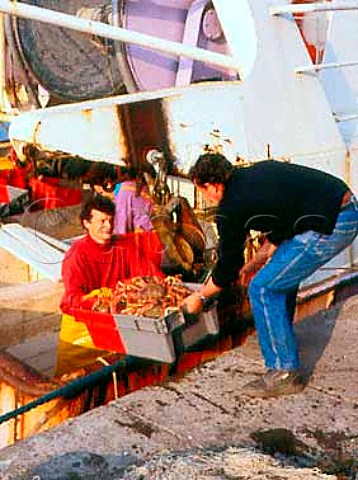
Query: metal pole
{"points": [[3, 103], [116, 33], [346, 118], [325, 66], [313, 7]]}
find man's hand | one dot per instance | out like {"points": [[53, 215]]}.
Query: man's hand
{"points": [[193, 304], [249, 270]]}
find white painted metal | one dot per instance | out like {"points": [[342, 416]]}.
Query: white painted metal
{"points": [[341, 88], [314, 7], [95, 132], [26, 245], [116, 33], [239, 26], [294, 114], [272, 106], [341, 85]]}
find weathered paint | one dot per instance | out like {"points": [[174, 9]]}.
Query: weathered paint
{"points": [[273, 107]]}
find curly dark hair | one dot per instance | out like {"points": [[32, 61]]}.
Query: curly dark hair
{"points": [[96, 202], [211, 168], [100, 173]]}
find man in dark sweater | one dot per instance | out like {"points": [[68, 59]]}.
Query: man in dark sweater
{"points": [[309, 215]]}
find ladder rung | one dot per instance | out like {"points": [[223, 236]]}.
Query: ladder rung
{"points": [[325, 66], [345, 118], [313, 7]]}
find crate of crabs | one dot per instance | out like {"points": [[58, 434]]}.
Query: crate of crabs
{"points": [[142, 317]]}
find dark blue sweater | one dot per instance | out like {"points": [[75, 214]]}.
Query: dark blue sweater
{"points": [[277, 198]]}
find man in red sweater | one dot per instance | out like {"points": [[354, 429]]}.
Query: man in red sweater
{"points": [[97, 260], [100, 260]]}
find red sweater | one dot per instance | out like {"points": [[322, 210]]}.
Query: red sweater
{"points": [[89, 265]]}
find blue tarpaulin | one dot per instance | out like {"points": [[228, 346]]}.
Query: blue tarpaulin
{"points": [[4, 131]]}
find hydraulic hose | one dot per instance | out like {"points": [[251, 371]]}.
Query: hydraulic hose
{"points": [[70, 390]]}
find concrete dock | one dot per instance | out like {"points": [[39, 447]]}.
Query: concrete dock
{"points": [[207, 411]]}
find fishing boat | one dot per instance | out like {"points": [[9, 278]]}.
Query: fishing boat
{"points": [[105, 81]]}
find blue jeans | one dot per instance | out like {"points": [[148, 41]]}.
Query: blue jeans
{"points": [[274, 287]]}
